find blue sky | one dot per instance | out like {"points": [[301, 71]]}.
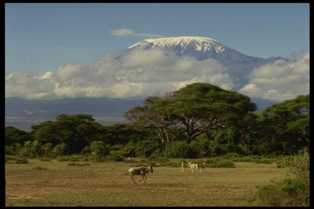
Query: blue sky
{"points": [[40, 37]]}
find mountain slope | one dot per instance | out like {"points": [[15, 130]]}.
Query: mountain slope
{"points": [[23, 113], [237, 64]]}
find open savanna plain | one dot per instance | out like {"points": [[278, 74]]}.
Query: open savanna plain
{"points": [[58, 183]]}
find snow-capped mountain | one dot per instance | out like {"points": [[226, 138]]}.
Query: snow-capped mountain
{"points": [[182, 44], [237, 64], [23, 113]]}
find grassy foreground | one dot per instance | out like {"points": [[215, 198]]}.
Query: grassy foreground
{"points": [[54, 183]]}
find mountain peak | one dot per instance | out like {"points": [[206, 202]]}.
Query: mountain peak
{"points": [[197, 43], [176, 39]]}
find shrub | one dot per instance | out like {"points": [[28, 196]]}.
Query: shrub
{"points": [[219, 163], [27, 149], [35, 148], [200, 147], [232, 155], [85, 150], [233, 148], [59, 149], [99, 149], [264, 160], [156, 155], [45, 149], [115, 156], [146, 148], [270, 195], [286, 193], [293, 191], [63, 158], [218, 149], [179, 149], [75, 158]]}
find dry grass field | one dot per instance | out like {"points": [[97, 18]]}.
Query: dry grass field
{"points": [[54, 183]]}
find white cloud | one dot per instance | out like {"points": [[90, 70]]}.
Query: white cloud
{"points": [[138, 73], [27, 86], [128, 32], [280, 80], [142, 73]]}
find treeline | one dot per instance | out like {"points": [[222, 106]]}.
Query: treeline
{"points": [[199, 120]]}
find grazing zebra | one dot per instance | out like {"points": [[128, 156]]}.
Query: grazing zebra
{"points": [[192, 166], [140, 171]]}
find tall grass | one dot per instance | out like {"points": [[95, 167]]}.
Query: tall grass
{"points": [[292, 191]]}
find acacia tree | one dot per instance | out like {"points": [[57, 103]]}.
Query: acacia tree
{"points": [[195, 109], [284, 127], [199, 108], [151, 116]]}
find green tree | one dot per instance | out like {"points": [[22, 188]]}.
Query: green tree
{"points": [[28, 148], [35, 149], [14, 135], [150, 116], [99, 149], [194, 110], [284, 127], [179, 149], [76, 131], [46, 149], [59, 149]]}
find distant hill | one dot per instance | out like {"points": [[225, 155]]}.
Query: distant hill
{"points": [[23, 113]]}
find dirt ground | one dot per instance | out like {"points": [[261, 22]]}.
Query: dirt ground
{"points": [[54, 183]]}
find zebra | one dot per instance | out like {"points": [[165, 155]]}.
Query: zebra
{"points": [[140, 171], [192, 166]]}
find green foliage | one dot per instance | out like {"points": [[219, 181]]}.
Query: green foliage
{"points": [[35, 149], [193, 110], [99, 150], [179, 149], [116, 156], [199, 120], [146, 148], [200, 147], [59, 149], [284, 127], [86, 150], [217, 149], [286, 193], [15, 136], [293, 191], [143, 148], [219, 163], [46, 149], [76, 131]]}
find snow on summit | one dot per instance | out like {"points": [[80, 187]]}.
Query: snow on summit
{"points": [[197, 43], [201, 48]]}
